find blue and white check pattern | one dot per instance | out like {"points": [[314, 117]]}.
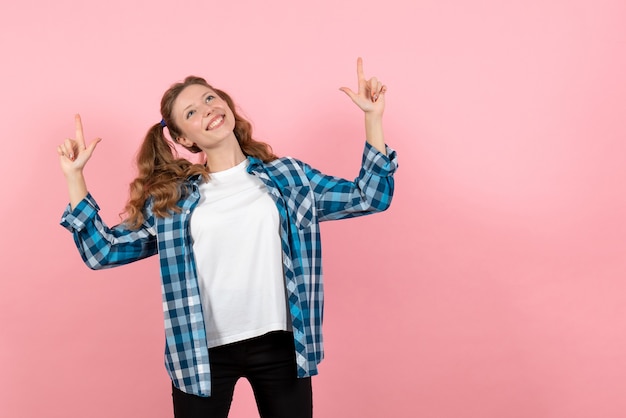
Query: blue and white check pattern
{"points": [[304, 197]]}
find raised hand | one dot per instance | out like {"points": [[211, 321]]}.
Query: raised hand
{"points": [[73, 154], [370, 96]]}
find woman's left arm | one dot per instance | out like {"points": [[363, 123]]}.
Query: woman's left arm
{"points": [[337, 198], [370, 98], [370, 192]]}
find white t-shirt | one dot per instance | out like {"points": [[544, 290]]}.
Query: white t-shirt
{"points": [[236, 242]]}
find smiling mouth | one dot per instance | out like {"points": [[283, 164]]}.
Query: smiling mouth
{"points": [[216, 122]]}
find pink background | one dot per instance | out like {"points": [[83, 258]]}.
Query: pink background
{"points": [[493, 287]]}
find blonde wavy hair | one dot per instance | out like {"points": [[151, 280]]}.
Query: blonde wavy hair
{"points": [[161, 172]]}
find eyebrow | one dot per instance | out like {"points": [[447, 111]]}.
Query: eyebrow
{"points": [[201, 97]]}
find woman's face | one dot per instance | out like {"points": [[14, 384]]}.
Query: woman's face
{"points": [[203, 118]]}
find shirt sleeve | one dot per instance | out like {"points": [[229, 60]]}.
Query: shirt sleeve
{"points": [[370, 192], [103, 247]]}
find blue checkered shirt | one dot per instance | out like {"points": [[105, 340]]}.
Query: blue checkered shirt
{"points": [[303, 196]]}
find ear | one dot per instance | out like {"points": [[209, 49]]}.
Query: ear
{"points": [[185, 142]]}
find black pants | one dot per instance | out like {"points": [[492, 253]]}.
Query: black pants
{"points": [[269, 364]]}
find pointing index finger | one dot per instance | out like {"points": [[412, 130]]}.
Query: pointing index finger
{"points": [[360, 76], [359, 68], [79, 130]]}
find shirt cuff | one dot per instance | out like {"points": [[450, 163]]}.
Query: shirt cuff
{"points": [[75, 220], [379, 163]]}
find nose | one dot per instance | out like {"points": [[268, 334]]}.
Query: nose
{"points": [[207, 109]]}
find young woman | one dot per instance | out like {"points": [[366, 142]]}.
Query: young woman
{"points": [[238, 242]]}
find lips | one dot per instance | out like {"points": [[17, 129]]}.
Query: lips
{"points": [[215, 122]]}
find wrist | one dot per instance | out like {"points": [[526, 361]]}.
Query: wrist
{"points": [[74, 175], [373, 122], [374, 131], [373, 116]]}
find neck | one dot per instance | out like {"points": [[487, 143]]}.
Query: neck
{"points": [[223, 159]]}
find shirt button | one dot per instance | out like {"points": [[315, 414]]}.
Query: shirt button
{"points": [[188, 212]]}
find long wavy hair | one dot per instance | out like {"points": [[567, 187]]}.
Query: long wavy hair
{"points": [[161, 172]]}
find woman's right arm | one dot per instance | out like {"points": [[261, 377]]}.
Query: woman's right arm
{"points": [[103, 247], [99, 245]]}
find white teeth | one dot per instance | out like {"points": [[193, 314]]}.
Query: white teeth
{"points": [[216, 122]]}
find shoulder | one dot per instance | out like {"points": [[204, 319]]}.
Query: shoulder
{"points": [[286, 166], [285, 163], [287, 170]]}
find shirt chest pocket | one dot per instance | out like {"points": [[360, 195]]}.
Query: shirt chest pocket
{"points": [[299, 201]]}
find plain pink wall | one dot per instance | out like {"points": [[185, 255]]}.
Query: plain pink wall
{"points": [[493, 287]]}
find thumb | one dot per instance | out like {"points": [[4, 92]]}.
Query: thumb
{"points": [[93, 145], [349, 92]]}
